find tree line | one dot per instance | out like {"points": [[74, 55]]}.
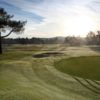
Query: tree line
{"points": [[92, 38], [14, 26], [33, 40]]}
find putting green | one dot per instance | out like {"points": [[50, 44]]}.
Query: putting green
{"points": [[85, 67]]}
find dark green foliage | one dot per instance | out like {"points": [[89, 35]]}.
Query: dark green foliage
{"points": [[93, 38], [7, 24]]}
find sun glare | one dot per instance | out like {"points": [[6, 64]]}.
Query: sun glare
{"points": [[79, 26]]}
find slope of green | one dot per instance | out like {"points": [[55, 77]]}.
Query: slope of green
{"points": [[23, 77], [85, 67]]}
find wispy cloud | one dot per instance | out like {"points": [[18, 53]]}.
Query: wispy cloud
{"points": [[47, 17]]}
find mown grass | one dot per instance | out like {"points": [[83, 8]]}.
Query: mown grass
{"points": [[15, 52], [15, 55], [85, 67], [20, 47], [23, 77]]}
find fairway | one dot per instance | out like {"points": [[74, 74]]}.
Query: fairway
{"points": [[49, 50], [28, 73], [85, 67]]}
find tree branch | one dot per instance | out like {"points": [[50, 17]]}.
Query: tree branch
{"points": [[7, 34]]}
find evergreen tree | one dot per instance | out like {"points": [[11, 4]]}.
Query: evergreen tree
{"points": [[6, 23]]}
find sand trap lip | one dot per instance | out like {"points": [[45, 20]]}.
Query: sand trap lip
{"points": [[47, 54]]}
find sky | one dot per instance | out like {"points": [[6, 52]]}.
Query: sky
{"points": [[51, 18]]}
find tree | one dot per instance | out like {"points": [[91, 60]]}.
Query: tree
{"points": [[74, 41], [6, 23], [91, 38]]}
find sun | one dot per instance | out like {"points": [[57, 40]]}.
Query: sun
{"points": [[79, 26]]}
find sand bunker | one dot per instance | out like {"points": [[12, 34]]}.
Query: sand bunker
{"points": [[47, 54]]}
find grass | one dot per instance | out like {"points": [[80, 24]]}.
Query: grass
{"points": [[23, 77], [85, 67], [15, 55]]}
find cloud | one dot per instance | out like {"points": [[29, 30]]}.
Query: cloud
{"points": [[46, 17], [95, 6]]}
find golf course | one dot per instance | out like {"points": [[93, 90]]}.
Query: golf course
{"points": [[50, 72]]}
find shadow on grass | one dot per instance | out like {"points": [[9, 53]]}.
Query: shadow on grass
{"points": [[47, 54], [90, 86], [96, 82], [95, 48]]}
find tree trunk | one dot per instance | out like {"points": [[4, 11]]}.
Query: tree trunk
{"points": [[0, 44]]}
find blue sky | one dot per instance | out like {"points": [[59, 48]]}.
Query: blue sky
{"points": [[49, 18]]}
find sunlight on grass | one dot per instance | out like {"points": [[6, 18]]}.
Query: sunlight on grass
{"points": [[85, 67], [24, 77]]}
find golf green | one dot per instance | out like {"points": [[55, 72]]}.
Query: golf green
{"points": [[85, 67]]}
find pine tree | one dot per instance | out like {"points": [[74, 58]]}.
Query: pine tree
{"points": [[6, 23]]}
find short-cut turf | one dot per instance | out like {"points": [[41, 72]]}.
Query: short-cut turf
{"points": [[85, 67], [23, 77]]}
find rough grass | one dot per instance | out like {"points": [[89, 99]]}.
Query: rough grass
{"points": [[15, 55], [85, 67], [23, 77]]}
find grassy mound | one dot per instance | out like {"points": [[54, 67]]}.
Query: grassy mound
{"points": [[85, 67], [24, 78]]}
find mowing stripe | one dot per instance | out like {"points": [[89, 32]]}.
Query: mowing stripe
{"points": [[86, 85]]}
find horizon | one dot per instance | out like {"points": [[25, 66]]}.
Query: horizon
{"points": [[55, 18], [44, 37]]}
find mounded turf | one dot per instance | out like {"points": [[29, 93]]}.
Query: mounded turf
{"points": [[23, 77], [85, 67]]}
